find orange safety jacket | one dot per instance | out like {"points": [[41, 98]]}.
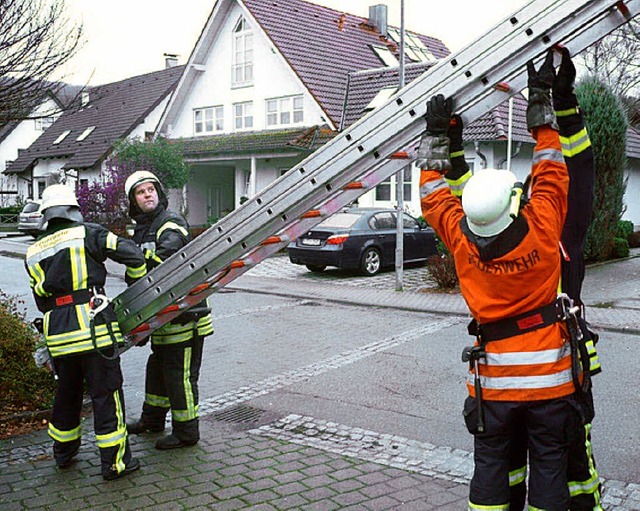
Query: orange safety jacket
{"points": [[535, 365]]}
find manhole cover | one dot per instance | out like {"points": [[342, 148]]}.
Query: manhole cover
{"points": [[239, 414]]}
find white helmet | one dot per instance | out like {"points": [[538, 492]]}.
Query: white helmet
{"points": [[486, 201], [137, 178], [59, 201]]}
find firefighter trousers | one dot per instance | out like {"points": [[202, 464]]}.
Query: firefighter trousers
{"points": [[582, 476], [104, 383], [549, 425], [171, 383]]}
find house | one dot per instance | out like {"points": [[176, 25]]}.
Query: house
{"points": [[18, 135], [264, 85], [82, 138], [269, 81]]}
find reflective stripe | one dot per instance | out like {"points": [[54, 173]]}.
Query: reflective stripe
{"points": [[159, 401], [517, 476], [54, 243], [594, 360], [527, 357], [78, 267], [547, 155], [112, 241], [171, 225], [172, 333], [523, 382], [137, 271], [82, 313], [499, 507], [576, 143], [79, 335], [456, 154], [457, 185], [185, 415], [64, 436], [112, 439], [591, 485], [431, 186], [567, 112], [205, 326], [38, 276]]}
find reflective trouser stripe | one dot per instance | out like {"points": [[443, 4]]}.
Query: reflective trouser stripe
{"points": [[64, 436], [517, 476], [159, 401], [192, 410], [591, 485], [135, 272], [117, 438], [499, 507]]}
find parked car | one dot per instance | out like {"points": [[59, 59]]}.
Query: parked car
{"points": [[361, 238], [29, 218]]}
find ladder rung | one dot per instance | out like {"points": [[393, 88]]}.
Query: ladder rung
{"points": [[273, 239], [169, 309], [199, 288], [312, 213], [400, 155], [622, 7], [236, 264], [139, 329], [503, 86], [354, 185]]}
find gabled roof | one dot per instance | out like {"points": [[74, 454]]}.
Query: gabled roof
{"points": [[114, 109], [256, 142], [324, 45], [633, 143]]}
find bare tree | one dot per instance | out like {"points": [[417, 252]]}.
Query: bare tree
{"points": [[615, 61], [36, 38]]}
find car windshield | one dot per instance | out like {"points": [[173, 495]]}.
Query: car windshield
{"points": [[31, 207], [339, 221]]}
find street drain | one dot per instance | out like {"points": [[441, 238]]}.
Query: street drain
{"points": [[239, 414]]}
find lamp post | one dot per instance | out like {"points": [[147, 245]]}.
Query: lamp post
{"points": [[400, 177]]}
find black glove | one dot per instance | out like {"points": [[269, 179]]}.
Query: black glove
{"points": [[539, 111], [438, 115], [455, 133], [562, 90]]}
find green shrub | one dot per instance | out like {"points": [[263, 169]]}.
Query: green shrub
{"points": [[442, 269], [23, 386], [624, 229], [620, 247]]}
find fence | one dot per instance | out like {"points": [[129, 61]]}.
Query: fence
{"points": [[8, 218]]}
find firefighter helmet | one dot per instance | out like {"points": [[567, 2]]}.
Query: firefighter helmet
{"points": [[486, 201], [59, 201], [137, 178]]}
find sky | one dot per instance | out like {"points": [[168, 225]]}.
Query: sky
{"points": [[125, 38]]}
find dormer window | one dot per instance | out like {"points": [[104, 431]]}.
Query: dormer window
{"points": [[414, 48], [242, 69], [85, 133], [62, 136], [381, 98], [42, 123], [385, 55]]}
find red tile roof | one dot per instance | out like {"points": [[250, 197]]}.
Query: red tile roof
{"points": [[115, 109], [311, 39]]}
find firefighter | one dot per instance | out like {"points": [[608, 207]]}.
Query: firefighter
{"points": [[583, 479], [66, 270], [508, 264], [173, 368]]}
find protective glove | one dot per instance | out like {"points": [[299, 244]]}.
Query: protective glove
{"points": [[438, 115], [433, 152], [562, 89], [459, 166], [540, 110]]}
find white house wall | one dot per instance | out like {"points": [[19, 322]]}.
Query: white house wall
{"points": [[632, 212], [150, 122], [273, 78]]}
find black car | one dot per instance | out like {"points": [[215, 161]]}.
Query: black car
{"points": [[361, 238]]}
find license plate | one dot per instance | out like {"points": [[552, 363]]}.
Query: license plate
{"points": [[311, 242]]}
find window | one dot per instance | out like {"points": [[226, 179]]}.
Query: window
{"points": [[208, 120], [41, 184], [381, 98], [414, 48], [385, 55], [62, 136], [383, 190], [243, 115], [43, 123], [283, 111], [242, 69], [85, 133]]}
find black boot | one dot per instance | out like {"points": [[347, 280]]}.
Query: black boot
{"points": [[132, 466], [173, 442], [140, 426]]}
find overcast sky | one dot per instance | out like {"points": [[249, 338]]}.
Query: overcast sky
{"points": [[125, 38]]}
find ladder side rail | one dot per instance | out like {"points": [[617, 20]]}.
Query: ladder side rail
{"points": [[395, 143]]}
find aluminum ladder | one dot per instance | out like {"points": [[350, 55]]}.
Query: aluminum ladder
{"points": [[478, 77]]}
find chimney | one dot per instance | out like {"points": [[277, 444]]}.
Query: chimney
{"points": [[170, 60], [378, 18], [343, 18]]}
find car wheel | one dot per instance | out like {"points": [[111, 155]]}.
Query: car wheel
{"points": [[371, 263], [316, 268]]}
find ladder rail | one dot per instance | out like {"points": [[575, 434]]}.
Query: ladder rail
{"points": [[370, 141]]}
